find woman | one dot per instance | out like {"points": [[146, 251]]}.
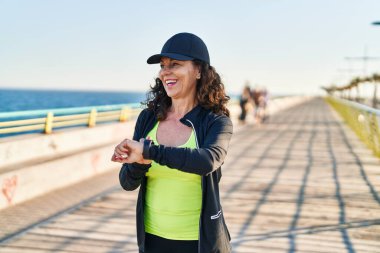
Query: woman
{"points": [[179, 145], [245, 97]]}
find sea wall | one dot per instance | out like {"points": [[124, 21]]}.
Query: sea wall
{"points": [[32, 165]]}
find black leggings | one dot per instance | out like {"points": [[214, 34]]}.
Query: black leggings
{"points": [[156, 244]]}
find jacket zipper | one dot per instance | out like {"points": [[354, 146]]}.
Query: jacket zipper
{"points": [[200, 215]]}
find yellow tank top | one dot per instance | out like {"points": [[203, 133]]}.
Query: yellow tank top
{"points": [[173, 199]]}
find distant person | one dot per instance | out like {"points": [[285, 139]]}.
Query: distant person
{"points": [[260, 99], [245, 97], [263, 102], [178, 147], [255, 93]]}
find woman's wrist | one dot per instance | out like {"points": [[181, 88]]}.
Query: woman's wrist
{"points": [[146, 145]]}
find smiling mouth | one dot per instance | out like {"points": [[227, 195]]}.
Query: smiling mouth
{"points": [[170, 82]]}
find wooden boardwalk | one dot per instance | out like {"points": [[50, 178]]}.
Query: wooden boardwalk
{"points": [[302, 182]]}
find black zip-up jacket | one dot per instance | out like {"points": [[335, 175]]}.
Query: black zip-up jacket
{"points": [[213, 134]]}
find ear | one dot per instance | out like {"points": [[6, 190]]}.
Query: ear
{"points": [[199, 72]]}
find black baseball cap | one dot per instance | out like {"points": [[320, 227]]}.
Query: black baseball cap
{"points": [[183, 47]]}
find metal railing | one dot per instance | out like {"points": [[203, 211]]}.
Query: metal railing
{"points": [[46, 121], [363, 119]]}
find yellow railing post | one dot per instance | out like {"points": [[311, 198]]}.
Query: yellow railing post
{"points": [[375, 134], [92, 118], [49, 123], [124, 114]]}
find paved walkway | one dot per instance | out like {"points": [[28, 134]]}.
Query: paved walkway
{"points": [[302, 182]]}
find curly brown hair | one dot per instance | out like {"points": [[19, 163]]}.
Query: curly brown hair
{"points": [[210, 93]]}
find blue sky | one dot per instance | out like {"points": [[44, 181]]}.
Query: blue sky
{"points": [[289, 46]]}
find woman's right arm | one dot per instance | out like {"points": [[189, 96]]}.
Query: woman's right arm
{"points": [[131, 174]]}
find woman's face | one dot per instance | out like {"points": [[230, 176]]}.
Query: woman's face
{"points": [[179, 77]]}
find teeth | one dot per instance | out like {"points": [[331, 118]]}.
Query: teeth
{"points": [[170, 81]]}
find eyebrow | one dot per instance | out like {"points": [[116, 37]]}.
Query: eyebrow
{"points": [[170, 61]]}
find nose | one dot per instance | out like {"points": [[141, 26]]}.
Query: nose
{"points": [[165, 70]]}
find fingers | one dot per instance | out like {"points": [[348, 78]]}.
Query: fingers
{"points": [[121, 156], [120, 159], [128, 151], [121, 152], [115, 158], [123, 146]]}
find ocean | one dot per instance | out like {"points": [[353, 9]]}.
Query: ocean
{"points": [[23, 99], [12, 100]]}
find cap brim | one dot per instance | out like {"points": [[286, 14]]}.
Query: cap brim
{"points": [[157, 57]]}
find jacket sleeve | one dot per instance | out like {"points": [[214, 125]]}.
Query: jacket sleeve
{"points": [[202, 160], [130, 175]]}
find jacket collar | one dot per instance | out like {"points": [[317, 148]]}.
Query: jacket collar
{"points": [[192, 115]]}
